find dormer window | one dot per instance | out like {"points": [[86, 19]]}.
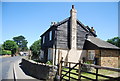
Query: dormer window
{"points": [[43, 39], [50, 35]]}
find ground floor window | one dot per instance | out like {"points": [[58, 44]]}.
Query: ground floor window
{"points": [[91, 54], [49, 54], [41, 54]]}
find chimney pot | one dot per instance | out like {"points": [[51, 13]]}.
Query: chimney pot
{"points": [[53, 23]]}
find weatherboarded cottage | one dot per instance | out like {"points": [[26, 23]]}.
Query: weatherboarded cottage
{"points": [[74, 41]]}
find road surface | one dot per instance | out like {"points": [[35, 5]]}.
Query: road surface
{"points": [[6, 67]]}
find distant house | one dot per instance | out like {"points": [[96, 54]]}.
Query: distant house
{"points": [[25, 53], [74, 41]]}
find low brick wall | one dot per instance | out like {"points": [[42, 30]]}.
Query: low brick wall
{"points": [[33, 69]]}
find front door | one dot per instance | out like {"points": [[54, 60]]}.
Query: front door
{"points": [[96, 61]]}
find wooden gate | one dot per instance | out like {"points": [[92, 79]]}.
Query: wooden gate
{"points": [[66, 69], [70, 69]]}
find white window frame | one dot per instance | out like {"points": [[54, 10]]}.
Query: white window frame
{"points": [[50, 35], [91, 54], [49, 54], [43, 39]]}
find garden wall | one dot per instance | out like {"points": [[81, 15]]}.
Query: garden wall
{"points": [[110, 58], [33, 69]]}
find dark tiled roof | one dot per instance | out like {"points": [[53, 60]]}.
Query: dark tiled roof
{"points": [[67, 19], [100, 43]]}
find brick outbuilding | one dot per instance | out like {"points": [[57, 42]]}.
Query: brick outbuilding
{"points": [[103, 53]]}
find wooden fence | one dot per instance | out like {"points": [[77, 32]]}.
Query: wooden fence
{"points": [[78, 68]]}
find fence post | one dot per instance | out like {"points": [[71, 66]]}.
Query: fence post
{"points": [[60, 68], [79, 71], [69, 70], [96, 74], [59, 62]]}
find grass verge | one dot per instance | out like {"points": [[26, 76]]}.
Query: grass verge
{"points": [[100, 71]]}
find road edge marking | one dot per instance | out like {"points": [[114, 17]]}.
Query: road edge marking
{"points": [[14, 73]]}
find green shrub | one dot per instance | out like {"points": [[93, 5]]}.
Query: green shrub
{"points": [[86, 68], [6, 52], [49, 62], [0, 52], [87, 62]]}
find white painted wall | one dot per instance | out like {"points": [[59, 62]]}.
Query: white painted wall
{"points": [[71, 57]]}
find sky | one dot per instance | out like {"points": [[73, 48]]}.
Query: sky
{"points": [[118, 19], [60, 0], [31, 19]]}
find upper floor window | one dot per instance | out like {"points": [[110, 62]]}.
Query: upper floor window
{"points": [[43, 39], [50, 35]]}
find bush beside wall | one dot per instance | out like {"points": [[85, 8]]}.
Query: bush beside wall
{"points": [[5, 52]]}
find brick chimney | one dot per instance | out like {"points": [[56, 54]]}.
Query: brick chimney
{"points": [[73, 28]]}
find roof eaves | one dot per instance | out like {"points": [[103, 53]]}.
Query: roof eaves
{"points": [[55, 25], [47, 30], [59, 23], [110, 48], [85, 27], [82, 25]]}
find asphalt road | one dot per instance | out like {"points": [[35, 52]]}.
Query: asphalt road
{"points": [[6, 66]]}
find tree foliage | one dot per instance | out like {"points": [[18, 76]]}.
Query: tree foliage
{"points": [[115, 41], [21, 42], [0, 48], [35, 48], [10, 45]]}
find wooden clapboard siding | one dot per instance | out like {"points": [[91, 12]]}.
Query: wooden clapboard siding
{"points": [[48, 43], [62, 36], [81, 33]]}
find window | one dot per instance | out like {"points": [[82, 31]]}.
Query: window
{"points": [[50, 35], [91, 54], [43, 39], [41, 54], [49, 54]]}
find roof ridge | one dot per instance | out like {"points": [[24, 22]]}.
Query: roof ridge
{"points": [[62, 21]]}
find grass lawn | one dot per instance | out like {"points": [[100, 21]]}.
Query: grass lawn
{"points": [[100, 71]]}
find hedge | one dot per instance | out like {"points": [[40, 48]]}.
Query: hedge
{"points": [[5, 52]]}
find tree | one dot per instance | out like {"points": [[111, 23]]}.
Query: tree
{"points": [[1, 49], [10, 45], [35, 48], [115, 41], [21, 42]]}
